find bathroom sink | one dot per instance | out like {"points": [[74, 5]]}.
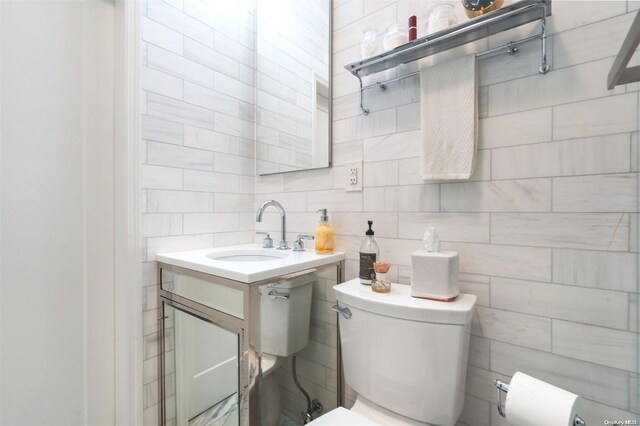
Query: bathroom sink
{"points": [[248, 255], [248, 263]]}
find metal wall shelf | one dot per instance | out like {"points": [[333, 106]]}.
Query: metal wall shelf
{"points": [[503, 19]]}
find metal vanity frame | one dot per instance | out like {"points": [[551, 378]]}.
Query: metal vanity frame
{"points": [[247, 330]]}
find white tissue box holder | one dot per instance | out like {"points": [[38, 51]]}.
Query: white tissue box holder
{"points": [[434, 275]]}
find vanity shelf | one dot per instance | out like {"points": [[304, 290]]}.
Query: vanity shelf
{"points": [[503, 19]]}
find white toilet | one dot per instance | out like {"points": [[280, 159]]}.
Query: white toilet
{"points": [[285, 313], [405, 357]]}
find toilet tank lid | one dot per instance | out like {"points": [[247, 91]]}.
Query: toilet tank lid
{"points": [[399, 303]]}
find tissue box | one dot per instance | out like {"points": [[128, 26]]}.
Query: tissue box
{"points": [[434, 275]]}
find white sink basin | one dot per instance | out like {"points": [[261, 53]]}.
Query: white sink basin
{"points": [[248, 263], [248, 255]]}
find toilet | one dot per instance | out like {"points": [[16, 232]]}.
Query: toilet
{"points": [[285, 314], [405, 357]]}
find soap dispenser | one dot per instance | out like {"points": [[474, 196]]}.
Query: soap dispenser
{"points": [[324, 234], [369, 253]]}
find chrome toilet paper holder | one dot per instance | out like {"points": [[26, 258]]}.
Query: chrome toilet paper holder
{"points": [[504, 387]]}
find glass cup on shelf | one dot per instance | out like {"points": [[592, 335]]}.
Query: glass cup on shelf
{"points": [[395, 36], [369, 42], [441, 16]]}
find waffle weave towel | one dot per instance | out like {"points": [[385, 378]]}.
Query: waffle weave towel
{"points": [[449, 119]]}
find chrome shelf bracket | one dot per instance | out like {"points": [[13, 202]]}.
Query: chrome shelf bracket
{"points": [[620, 72], [365, 111], [544, 65]]}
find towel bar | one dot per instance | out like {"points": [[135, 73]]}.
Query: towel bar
{"points": [[504, 387], [510, 48]]}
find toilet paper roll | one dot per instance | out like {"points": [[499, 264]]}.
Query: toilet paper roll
{"points": [[532, 402]]}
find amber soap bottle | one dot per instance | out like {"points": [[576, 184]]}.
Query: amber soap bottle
{"points": [[324, 234]]}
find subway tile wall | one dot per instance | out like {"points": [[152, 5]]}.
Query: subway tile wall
{"points": [[316, 365], [197, 141], [197, 78], [547, 228]]}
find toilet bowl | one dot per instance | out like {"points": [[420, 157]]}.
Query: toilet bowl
{"points": [[405, 357], [270, 397], [270, 401], [285, 314]]}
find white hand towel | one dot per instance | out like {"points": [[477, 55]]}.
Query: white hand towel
{"points": [[449, 119]]}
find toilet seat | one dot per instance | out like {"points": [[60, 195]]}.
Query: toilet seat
{"points": [[342, 417], [364, 413]]}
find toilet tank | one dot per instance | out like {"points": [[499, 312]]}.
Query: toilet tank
{"points": [[406, 354], [285, 312]]}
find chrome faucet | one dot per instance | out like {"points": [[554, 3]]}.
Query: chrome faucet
{"points": [[283, 220]]}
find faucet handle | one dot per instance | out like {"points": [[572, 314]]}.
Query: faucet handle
{"points": [[297, 244], [267, 242]]}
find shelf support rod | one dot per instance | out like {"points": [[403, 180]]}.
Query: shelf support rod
{"points": [[544, 66]]}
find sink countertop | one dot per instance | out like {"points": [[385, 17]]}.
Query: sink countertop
{"points": [[248, 272]]}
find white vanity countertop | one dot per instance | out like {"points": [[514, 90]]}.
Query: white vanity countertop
{"points": [[248, 271]]}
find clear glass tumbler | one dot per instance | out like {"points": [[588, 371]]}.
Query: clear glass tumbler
{"points": [[369, 42], [395, 36], [441, 17]]}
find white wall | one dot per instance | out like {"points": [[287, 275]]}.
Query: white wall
{"points": [[546, 230], [56, 279], [529, 280]]}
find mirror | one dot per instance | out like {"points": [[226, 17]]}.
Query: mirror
{"points": [[201, 371], [293, 82]]}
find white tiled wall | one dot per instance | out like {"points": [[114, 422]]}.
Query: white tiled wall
{"points": [[197, 148], [316, 365], [546, 230]]}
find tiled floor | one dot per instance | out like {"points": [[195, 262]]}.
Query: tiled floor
{"points": [[286, 421], [225, 413]]}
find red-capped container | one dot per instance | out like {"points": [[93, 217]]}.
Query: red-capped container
{"points": [[413, 27]]}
